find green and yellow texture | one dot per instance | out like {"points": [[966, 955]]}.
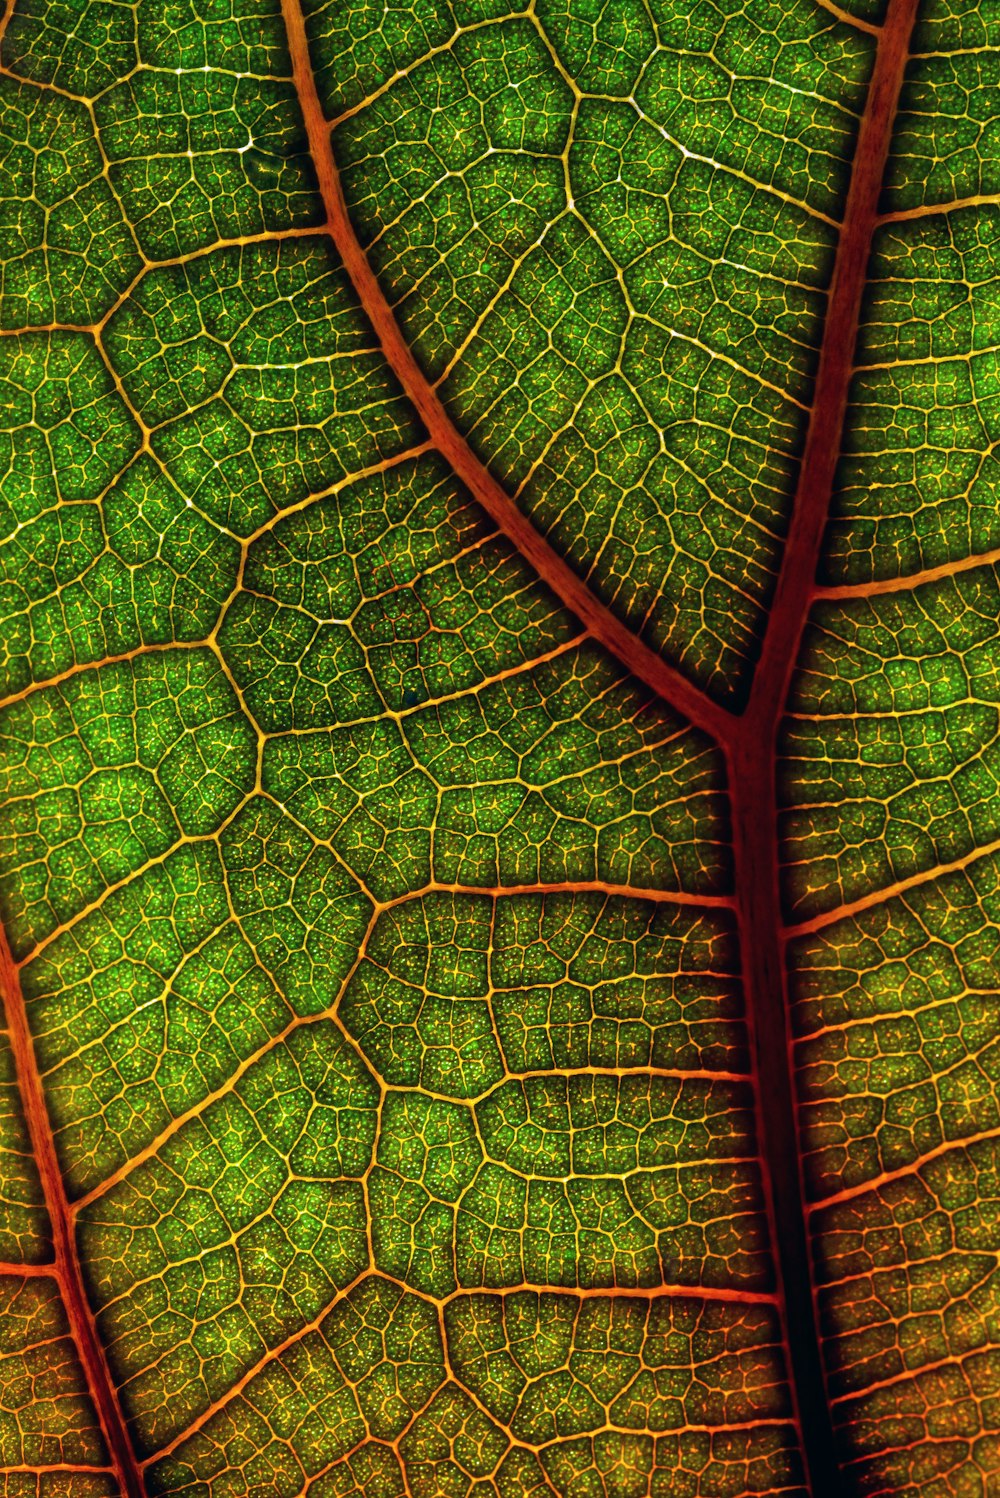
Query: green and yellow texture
{"points": [[500, 735]]}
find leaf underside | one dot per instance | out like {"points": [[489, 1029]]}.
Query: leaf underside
{"points": [[500, 748]]}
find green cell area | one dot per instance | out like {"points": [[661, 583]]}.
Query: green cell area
{"points": [[456, 991], [899, 1045], [103, 43], [108, 771], [593, 1125], [450, 1443], [196, 113], [560, 772], [947, 25], [66, 250], [478, 130], [99, 552], [361, 793], [917, 481], [427, 1154], [293, 1419], [302, 913], [909, 1288], [418, 1004], [245, 1445], [555, 1367], [890, 754], [149, 1004], [590, 1180], [85, 581], [55, 1482], [261, 378], [322, 1407], [205, 140], [702, 1463], [769, 93], [84, 46], [606, 231], [391, 592], [25, 1234], [388, 1343], [497, 81], [236, 1234], [356, 49], [764, 1460], [582, 981], [570, 773], [201, 157], [373, 1471], [896, 1056], [961, 1451], [66, 435], [947, 130], [695, 1225], [46, 1417], [873, 11], [244, 36], [662, 482]]}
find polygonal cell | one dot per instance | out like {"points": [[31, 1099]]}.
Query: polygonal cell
{"points": [[68, 251], [236, 1233]]}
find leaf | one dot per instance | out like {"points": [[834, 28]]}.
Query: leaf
{"points": [[499, 721]]}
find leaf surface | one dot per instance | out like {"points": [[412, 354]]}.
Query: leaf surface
{"points": [[499, 749]]}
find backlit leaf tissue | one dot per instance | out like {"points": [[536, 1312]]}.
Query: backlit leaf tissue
{"points": [[500, 748]]}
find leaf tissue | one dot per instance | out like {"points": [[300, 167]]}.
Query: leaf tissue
{"points": [[500, 749]]}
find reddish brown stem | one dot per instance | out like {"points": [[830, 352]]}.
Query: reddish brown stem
{"points": [[752, 758], [797, 577], [67, 1265], [643, 663]]}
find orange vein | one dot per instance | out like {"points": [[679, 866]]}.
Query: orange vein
{"points": [[67, 1265], [902, 1172], [848, 908], [272, 1355], [907, 583]]}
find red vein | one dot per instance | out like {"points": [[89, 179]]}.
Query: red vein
{"points": [[796, 581], [67, 1265], [29, 1271], [751, 750], [752, 758], [614, 1292], [639, 659]]}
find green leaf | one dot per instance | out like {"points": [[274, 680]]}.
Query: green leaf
{"points": [[499, 722]]}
